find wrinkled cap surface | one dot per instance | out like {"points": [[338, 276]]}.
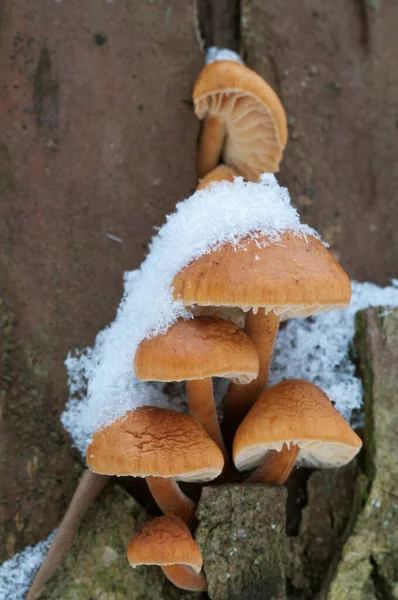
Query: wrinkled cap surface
{"points": [[295, 412], [158, 442]]}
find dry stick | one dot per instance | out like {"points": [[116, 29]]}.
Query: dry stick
{"points": [[89, 486], [262, 329], [210, 145], [276, 467], [201, 406], [186, 578], [171, 499]]}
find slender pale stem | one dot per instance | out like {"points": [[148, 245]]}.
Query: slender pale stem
{"points": [[262, 329], [186, 578], [89, 486], [276, 467], [171, 499], [201, 406], [210, 145]]}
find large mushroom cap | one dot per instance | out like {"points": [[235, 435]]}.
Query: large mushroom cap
{"points": [[164, 541], [220, 173], [158, 442], [196, 349], [295, 412], [295, 276], [253, 116]]}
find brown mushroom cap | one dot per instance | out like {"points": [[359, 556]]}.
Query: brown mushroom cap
{"points": [[294, 276], [164, 541], [220, 173], [295, 412], [255, 121], [196, 349], [158, 442]]}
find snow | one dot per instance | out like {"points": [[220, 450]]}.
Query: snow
{"points": [[318, 348], [17, 573], [213, 53], [225, 212]]}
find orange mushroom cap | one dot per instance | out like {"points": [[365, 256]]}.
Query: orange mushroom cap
{"points": [[196, 349], [153, 441], [254, 119], [294, 276], [164, 541], [220, 173], [295, 412]]}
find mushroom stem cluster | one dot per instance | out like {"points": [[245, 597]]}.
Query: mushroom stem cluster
{"points": [[236, 294]]}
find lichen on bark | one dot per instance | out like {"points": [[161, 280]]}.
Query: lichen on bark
{"points": [[241, 535]]}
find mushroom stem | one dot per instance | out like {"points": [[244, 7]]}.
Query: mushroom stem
{"points": [[171, 499], [185, 578], [201, 406], [262, 329], [210, 145], [89, 487], [276, 467]]}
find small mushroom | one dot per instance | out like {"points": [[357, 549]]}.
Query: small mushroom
{"points": [[195, 350], [167, 542], [293, 422], [244, 121], [267, 279], [220, 173], [162, 445]]}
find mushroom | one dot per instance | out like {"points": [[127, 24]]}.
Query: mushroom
{"points": [[162, 445], [167, 542], [220, 173], [244, 120], [291, 277], [293, 422], [195, 350]]}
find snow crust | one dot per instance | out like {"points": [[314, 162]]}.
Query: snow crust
{"points": [[103, 386], [318, 348], [17, 573], [213, 53]]}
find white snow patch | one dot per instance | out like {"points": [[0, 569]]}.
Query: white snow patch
{"points": [[213, 53], [225, 212], [317, 349], [17, 573]]}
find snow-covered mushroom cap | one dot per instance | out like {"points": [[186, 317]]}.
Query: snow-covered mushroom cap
{"points": [[246, 125], [295, 276], [196, 349], [157, 442], [295, 412], [220, 173]]}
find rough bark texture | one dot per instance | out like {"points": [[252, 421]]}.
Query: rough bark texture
{"points": [[96, 565], [241, 535], [97, 137], [334, 66], [368, 569], [333, 498]]}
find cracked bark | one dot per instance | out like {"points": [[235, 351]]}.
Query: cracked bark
{"points": [[241, 535]]}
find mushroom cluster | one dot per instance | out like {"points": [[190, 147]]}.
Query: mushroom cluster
{"points": [[235, 295]]}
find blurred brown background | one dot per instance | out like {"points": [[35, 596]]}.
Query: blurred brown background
{"points": [[98, 138]]}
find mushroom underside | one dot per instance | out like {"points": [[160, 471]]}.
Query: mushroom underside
{"points": [[237, 314], [313, 453]]}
